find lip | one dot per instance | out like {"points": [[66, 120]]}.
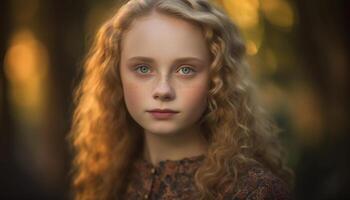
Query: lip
{"points": [[166, 110], [162, 113]]}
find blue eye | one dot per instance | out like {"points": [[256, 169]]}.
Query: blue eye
{"points": [[187, 70], [142, 68]]}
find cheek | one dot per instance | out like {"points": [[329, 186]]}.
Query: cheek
{"points": [[131, 90], [195, 97], [133, 95]]}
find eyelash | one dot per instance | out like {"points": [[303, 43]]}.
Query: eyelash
{"points": [[139, 67]]}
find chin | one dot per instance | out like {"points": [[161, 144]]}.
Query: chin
{"points": [[162, 130]]}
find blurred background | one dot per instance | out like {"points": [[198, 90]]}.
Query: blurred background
{"points": [[299, 55]]}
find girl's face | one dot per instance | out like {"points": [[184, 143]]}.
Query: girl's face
{"points": [[165, 65]]}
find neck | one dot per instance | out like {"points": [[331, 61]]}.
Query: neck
{"points": [[158, 147]]}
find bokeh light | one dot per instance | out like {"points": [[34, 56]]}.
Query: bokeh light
{"points": [[244, 12], [26, 68], [278, 12]]}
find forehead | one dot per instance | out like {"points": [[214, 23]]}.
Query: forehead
{"points": [[164, 35]]}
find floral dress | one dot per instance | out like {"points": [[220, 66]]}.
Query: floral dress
{"points": [[174, 179]]}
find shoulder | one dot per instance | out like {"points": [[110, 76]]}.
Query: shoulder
{"points": [[259, 183]]}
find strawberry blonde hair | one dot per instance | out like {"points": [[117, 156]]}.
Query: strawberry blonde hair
{"points": [[106, 140]]}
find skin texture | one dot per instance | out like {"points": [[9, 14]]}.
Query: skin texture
{"points": [[163, 80]]}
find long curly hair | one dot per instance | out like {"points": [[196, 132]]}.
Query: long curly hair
{"points": [[106, 140]]}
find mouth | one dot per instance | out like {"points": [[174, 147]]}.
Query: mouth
{"points": [[162, 113]]}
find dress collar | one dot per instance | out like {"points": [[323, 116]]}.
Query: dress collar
{"points": [[192, 162], [183, 161]]}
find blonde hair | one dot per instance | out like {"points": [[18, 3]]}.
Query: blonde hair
{"points": [[106, 139]]}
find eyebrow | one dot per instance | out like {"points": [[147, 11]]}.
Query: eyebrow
{"points": [[151, 60]]}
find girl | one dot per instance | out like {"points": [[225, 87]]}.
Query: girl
{"points": [[165, 110]]}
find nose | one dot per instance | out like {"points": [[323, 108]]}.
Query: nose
{"points": [[163, 91]]}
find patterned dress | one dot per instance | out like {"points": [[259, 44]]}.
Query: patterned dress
{"points": [[174, 179]]}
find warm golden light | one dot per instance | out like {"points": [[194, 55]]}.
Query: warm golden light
{"points": [[25, 66], [243, 12], [278, 12], [251, 48]]}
